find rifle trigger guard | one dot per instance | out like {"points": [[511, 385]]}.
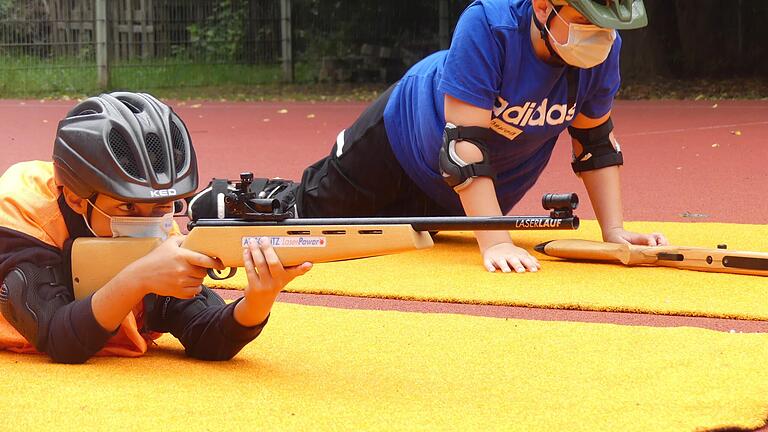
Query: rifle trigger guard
{"points": [[215, 275]]}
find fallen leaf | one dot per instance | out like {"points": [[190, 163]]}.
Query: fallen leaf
{"points": [[45, 121], [266, 120], [714, 106], [282, 111], [310, 116], [687, 214], [196, 105], [715, 145], [679, 168]]}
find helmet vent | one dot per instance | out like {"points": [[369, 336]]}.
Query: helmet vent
{"points": [[179, 150], [134, 109], [123, 154], [156, 154]]}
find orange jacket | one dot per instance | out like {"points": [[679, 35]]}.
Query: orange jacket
{"points": [[29, 207]]}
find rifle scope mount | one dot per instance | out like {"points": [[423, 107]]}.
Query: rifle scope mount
{"points": [[244, 202]]}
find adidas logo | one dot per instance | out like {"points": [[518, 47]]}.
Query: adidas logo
{"points": [[533, 113]]}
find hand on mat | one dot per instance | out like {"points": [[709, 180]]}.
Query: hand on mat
{"points": [[170, 270], [266, 278], [620, 235], [507, 257]]}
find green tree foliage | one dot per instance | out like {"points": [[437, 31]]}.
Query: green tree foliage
{"points": [[221, 37]]}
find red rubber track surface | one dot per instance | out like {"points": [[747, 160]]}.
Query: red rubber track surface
{"points": [[685, 161], [682, 157]]}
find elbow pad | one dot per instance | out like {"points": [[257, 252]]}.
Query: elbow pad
{"points": [[598, 150], [457, 173], [27, 307]]}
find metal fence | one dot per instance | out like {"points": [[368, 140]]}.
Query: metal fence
{"points": [[55, 46]]}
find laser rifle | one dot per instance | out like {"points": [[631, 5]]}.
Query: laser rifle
{"points": [[719, 260], [240, 214]]}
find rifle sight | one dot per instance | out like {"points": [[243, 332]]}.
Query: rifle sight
{"points": [[562, 205]]}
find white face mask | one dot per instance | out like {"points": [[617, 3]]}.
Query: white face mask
{"points": [[130, 226], [587, 46]]}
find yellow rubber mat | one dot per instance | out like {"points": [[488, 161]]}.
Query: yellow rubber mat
{"points": [[316, 369], [453, 272]]}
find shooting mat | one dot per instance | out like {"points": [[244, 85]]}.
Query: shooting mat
{"points": [[319, 369]]}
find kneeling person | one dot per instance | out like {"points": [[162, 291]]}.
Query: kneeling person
{"points": [[119, 162]]}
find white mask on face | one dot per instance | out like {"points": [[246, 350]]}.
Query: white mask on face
{"points": [[130, 226], [587, 46]]}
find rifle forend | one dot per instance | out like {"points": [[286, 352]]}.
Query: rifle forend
{"points": [[720, 260]]}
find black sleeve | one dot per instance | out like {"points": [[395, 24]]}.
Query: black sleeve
{"points": [[38, 300], [205, 324]]}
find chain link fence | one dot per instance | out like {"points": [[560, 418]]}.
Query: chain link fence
{"points": [[45, 45], [83, 46], [69, 46]]}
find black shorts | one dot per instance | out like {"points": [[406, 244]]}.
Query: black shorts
{"points": [[362, 177]]}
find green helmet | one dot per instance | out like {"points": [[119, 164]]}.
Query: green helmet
{"points": [[616, 14]]}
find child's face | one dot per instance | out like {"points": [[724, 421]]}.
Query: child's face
{"points": [[100, 223]]}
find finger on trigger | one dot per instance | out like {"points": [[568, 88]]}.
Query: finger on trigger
{"points": [[200, 260]]}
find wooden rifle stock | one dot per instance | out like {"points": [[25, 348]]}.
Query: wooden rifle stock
{"points": [[682, 257]]}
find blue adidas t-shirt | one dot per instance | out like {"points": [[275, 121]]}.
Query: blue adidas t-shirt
{"points": [[491, 64]]}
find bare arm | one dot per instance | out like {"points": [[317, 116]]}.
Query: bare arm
{"points": [[603, 185], [112, 303], [479, 198], [604, 188]]}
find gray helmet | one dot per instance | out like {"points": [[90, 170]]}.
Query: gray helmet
{"points": [[617, 14], [129, 146]]}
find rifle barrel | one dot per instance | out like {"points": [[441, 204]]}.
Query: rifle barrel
{"points": [[438, 223]]}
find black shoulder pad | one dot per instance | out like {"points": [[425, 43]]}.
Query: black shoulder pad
{"points": [[29, 296]]}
